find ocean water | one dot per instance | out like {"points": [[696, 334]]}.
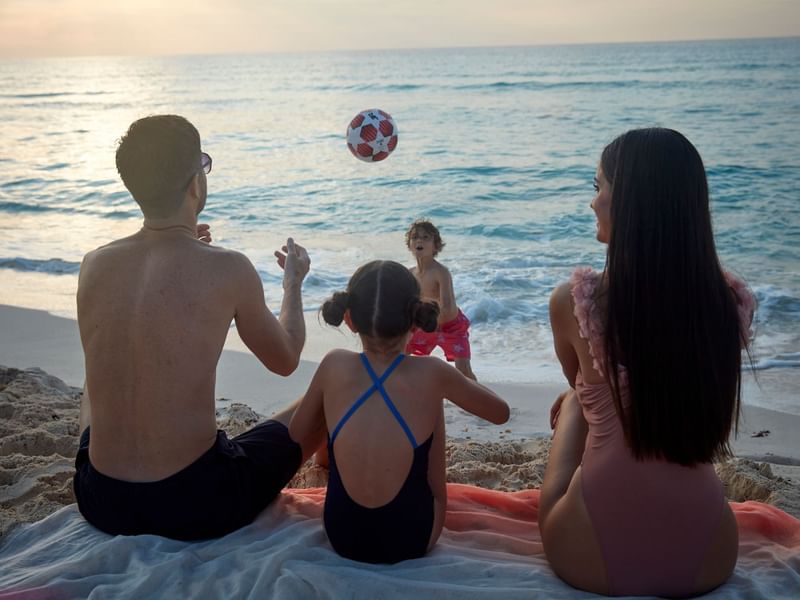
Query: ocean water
{"points": [[497, 146]]}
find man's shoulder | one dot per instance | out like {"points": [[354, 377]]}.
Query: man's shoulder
{"points": [[224, 260], [225, 254], [133, 248], [109, 249]]}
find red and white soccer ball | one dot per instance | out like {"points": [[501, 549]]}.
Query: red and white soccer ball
{"points": [[372, 135]]}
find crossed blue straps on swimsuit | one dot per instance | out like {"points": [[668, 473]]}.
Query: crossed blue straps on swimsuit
{"points": [[377, 384]]}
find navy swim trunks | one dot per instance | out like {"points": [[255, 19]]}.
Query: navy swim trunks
{"points": [[220, 492]]}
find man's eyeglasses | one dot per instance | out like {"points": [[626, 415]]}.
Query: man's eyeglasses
{"points": [[205, 162]]}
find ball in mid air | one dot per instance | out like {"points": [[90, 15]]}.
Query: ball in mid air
{"points": [[372, 135]]}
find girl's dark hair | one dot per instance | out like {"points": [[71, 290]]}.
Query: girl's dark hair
{"points": [[671, 316], [383, 299]]}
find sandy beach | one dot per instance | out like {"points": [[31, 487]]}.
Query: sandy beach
{"points": [[41, 371]]}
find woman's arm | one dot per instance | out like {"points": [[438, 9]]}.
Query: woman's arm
{"points": [[563, 325]]}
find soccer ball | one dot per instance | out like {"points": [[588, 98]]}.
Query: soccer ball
{"points": [[372, 135]]}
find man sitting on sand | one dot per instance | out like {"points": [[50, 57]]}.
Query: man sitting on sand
{"points": [[154, 309]]}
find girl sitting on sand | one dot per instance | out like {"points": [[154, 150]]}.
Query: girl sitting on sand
{"points": [[651, 347], [384, 415]]}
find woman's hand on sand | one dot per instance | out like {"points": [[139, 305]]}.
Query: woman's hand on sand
{"points": [[294, 261], [204, 232]]}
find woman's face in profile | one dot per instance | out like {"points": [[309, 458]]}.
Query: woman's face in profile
{"points": [[601, 205]]}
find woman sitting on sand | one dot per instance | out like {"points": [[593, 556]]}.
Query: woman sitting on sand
{"points": [[384, 415], [651, 347]]}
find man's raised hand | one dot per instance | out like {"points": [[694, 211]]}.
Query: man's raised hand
{"points": [[294, 261]]}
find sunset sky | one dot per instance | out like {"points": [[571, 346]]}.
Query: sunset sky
{"points": [[156, 27]]}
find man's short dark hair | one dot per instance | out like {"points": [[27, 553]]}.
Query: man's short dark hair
{"points": [[156, 159]]}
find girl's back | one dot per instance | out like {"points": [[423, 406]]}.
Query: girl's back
{"points": [[384, 501], [383, 414], [373, 448]]}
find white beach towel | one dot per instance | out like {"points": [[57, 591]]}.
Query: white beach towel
{"points": [[490, 548]]}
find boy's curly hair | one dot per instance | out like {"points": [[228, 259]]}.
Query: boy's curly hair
{"points": [[428, 228]]}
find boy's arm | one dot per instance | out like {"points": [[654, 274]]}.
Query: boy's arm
{"points": [[448, 309]]}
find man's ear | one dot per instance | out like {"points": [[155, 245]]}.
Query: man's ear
{"points": [[349, 320], [194, 189]]}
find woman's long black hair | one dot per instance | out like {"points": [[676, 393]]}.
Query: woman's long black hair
{"points": [[671, 316]]}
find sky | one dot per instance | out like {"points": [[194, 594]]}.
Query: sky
{"points": [[31, 28]]}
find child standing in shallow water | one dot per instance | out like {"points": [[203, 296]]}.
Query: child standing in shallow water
{"points": [[452, 334], [383, 412]]}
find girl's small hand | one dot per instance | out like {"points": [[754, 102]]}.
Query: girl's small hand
{"points": [[555, 410]]}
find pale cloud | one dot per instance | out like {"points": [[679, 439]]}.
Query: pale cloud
{"points": [[79, 27]]}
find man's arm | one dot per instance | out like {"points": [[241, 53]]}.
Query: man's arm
{"points": [[277, 343], [294, 261]]}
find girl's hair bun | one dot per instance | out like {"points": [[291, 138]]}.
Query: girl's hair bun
{"points": [[333, 308], [424, 315]]}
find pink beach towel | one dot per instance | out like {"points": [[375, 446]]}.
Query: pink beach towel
{"points": [[479, 517]]}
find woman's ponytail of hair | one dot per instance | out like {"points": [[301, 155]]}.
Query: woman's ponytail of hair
{"points": [[424, 315], [333, 308]]}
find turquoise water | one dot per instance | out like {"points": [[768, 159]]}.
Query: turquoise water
{"points": [[497, 146]]}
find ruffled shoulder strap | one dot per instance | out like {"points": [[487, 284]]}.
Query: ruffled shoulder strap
{"points": [[583, 285], [745, 305]]}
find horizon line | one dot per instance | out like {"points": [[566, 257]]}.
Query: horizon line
{"points": [[397, 49]]}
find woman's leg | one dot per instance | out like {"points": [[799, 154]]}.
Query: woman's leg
{"points": [[568, 537], [566, 454], [721, 557]]}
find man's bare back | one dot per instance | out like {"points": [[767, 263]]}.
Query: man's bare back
{"points": [[154, 310]]}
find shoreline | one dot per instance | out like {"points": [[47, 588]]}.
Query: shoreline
{"points": [[37, 339], [41, 383]]}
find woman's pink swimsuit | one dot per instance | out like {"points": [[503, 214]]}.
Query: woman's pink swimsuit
{"points": [[654, 519]]}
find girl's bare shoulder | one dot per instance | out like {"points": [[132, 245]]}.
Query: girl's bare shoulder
{"points": [[337, 359]]}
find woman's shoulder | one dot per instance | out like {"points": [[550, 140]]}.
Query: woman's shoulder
{"points": [[583, 282], [579, 287], [745, 300], [744, 296], [581, 291]]}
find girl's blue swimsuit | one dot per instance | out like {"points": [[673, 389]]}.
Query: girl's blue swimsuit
{"points": [[398, 530]]}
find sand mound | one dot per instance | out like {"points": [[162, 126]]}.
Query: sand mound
{"points": [[38, 440], [505, 466], [746, 479]]}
